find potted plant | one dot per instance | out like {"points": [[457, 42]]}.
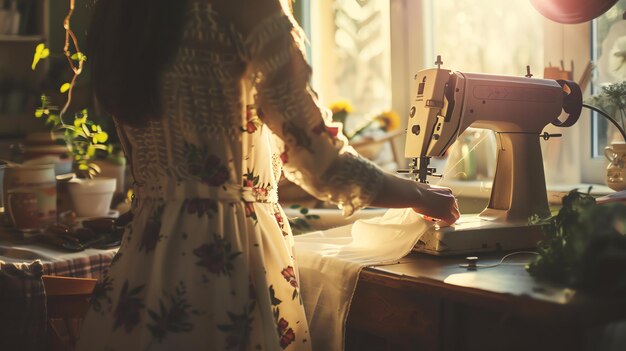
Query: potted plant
{"points": [[370, 135], [91, 196], [612, 100], [584, 246]]}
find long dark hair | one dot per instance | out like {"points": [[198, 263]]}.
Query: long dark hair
{"points": [[129, 43]]}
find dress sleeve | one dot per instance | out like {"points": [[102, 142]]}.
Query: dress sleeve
{"points": [[315, 154]]}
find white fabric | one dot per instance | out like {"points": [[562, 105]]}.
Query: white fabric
{"points": [[330, 262]]}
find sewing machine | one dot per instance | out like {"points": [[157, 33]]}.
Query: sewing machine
{"points": [[444, 104]]}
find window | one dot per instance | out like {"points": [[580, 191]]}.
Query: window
{"points": [[608, 42], [351, 56], [491, 36], [351, 53]]}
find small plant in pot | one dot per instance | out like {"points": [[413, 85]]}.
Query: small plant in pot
{"points": [[91, 196]]}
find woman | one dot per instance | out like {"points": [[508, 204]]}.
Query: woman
{"points": [[211, 99]]}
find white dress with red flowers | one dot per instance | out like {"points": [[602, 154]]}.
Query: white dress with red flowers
{"points": [[207, 262]]}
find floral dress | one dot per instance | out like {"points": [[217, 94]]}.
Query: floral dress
{"points": [[207, 262]]}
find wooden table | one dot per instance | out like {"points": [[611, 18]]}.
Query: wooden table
{"points": [[89, 263], [430, 303], [23, 315]]}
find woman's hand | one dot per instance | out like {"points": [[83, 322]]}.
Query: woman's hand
{"points": [[432, 201], [438, 203]]}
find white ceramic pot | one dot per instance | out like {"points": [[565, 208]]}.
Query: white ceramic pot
{"points": [[33, 187], [92, 197]]}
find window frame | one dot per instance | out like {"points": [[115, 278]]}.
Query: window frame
{"points": [[575, 42]]}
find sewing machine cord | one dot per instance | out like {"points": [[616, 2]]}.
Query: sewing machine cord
{"points": [[605, 115], [465, 265]]}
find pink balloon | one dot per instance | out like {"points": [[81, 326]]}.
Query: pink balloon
{"points": [[572, 11]]}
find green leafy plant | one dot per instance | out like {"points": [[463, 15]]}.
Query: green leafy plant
{"points": [[585, 246], [82, 136], [612, 100]]}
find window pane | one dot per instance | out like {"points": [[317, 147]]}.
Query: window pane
{"points": [[609, 53], [486, 36], [351, 54], [351, 59]]}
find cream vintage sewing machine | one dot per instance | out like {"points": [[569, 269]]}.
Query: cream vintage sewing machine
{"points": [[444, 104]]}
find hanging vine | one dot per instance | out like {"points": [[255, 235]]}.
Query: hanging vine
{"points": [[83, 137]]}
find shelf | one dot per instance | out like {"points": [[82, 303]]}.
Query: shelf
{"points": [[17, 125], [21, 38], [16, 116]]}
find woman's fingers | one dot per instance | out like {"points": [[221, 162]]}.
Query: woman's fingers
{"points": [[453, 216], [439, 203]]}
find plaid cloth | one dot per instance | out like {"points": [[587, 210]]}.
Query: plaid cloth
{"points": [[22, 307], [91, 265], [23, 316]]}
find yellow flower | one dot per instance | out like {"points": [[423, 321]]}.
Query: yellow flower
{"points": [[341, 105], [389, 121]]}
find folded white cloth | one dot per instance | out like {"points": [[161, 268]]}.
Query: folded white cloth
{"points": [[330, 261]]}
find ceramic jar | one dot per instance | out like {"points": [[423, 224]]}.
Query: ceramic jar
{"points": [[616, 170], [29, 195], [47, 144]]}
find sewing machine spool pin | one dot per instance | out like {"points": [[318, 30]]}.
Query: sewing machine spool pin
{"points": [[528, 74], [439, 62]]}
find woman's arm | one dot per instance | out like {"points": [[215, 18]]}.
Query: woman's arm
{"points": [[315, 153]]}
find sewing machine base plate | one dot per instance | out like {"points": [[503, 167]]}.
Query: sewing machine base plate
{"points": [[472, 234]]}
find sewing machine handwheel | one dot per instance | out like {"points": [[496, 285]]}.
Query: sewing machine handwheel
{"points": [[572, 103]]}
